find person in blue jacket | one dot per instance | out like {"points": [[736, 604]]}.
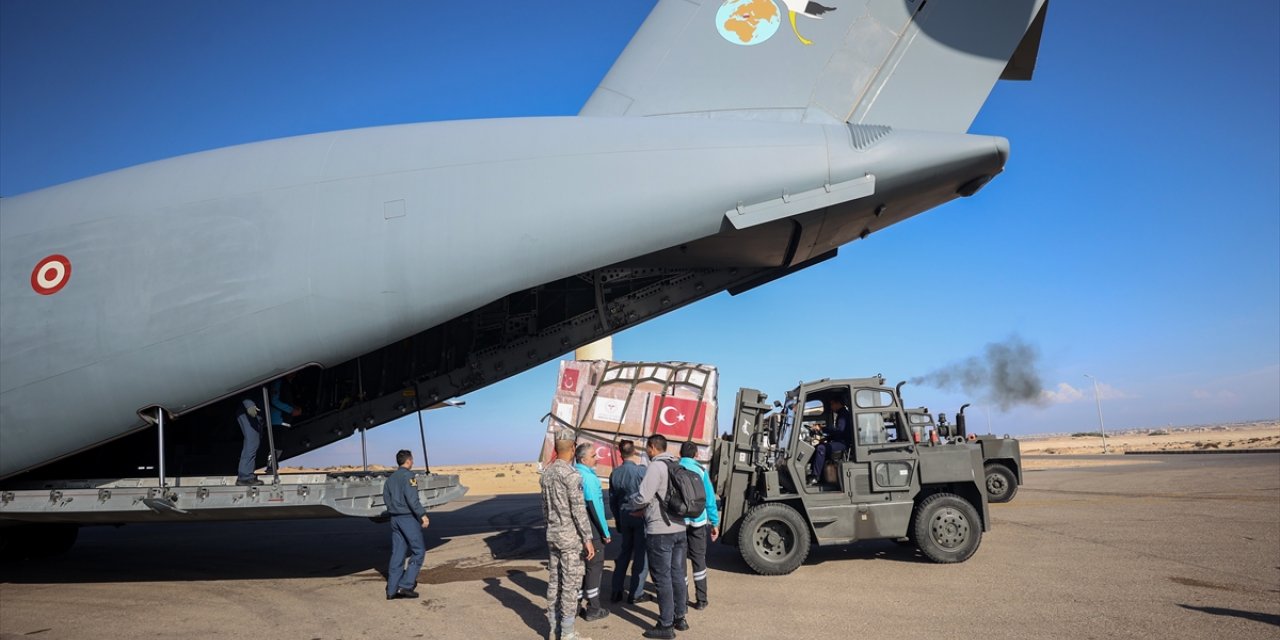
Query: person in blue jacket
{"points": [[593, 494], [281, 394], [706, 525]]}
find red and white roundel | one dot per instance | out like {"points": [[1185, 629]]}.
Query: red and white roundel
{"points": [[51, 274]]}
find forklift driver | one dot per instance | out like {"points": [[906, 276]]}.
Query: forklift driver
{"points": [[837, 433]]}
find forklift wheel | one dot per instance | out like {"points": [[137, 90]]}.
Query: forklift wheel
{"points": [[947, 528], [1002, 486], [773, 539]]}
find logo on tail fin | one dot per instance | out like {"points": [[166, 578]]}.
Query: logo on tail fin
{"points": [[806, 9], [750, 22]]}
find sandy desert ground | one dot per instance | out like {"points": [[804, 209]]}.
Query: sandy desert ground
{"points": [[1044, 452]]}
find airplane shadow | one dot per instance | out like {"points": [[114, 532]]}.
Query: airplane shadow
{"points": [[215, 551], [276, 549], [1256, 616]]}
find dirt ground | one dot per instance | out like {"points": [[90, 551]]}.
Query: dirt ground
{"points": [[1261, 435], [1178, 546]]}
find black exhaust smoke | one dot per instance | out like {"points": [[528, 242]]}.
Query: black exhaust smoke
{"points": [[1006, 375]]}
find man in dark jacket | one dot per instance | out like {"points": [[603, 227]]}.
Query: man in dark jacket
{"points": [[624, 482], [837, 438], [408, 519]]}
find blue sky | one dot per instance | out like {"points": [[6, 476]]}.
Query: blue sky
{"points": [[1135, 234]]}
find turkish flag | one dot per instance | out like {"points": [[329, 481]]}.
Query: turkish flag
{"points": [[607, 455], [569, 381], [679, 418]]}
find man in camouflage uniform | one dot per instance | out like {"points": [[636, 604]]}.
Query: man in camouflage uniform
{"points": [[568, 540]]}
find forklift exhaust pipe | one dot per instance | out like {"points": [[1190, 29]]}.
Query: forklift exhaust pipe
{"points": [[898, 391], [960, 431]]}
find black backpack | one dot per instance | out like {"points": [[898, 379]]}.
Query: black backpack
{"points": [[686, 496]]}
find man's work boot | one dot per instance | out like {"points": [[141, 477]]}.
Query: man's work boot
{"points": [[616, 597], [248, 482], [668, 633], [699, 605], [567, 632], [681, 624], [591, 614]]}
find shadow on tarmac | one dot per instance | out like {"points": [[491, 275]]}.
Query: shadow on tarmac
{"points": [[533, 616], [275, 549], [722, 557], [1256, 616], [279, 549]]}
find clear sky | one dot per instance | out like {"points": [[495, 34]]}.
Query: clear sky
{"points": [[1134, 236]]}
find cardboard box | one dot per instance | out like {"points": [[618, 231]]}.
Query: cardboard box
{"points": [[603, 403]]}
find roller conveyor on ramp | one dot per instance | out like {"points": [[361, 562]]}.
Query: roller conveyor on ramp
{"points": [[212, 498]]}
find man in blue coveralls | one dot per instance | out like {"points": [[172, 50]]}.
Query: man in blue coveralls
{"points": [[593, 495], [706, 525], [250, 420], [408, 519]]}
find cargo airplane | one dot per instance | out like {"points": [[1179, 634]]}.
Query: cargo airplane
{"points": [[720, 152]]}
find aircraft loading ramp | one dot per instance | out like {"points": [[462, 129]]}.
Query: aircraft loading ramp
{"points": [[212, 498]]}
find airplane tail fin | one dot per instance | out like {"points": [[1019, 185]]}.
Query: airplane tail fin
{"points": [[911, 64]]}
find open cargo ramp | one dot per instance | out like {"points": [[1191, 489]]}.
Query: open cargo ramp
{"points": [[212, 498]]}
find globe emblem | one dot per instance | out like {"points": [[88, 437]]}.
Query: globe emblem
{"points": [[748, 22]]}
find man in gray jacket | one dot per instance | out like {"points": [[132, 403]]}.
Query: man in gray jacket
{"points": [[665, 540]]}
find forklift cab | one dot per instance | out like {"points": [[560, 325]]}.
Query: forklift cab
{"points": [[868, 461], [873, 468]]}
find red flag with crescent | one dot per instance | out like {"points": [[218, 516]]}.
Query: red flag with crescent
{"points": [[607, 455], [569, 381], [679, 418]]}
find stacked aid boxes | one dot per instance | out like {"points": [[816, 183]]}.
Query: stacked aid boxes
{"points": [[603, 402]]}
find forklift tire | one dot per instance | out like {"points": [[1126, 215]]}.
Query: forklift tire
{"points": [[773, 539], [947, 528], [1002, 485]]}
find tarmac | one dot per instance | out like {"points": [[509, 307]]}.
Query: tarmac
{"points": [[1185, 548]]}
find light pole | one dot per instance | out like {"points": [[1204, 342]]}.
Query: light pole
{"points": [[1102, 428]]}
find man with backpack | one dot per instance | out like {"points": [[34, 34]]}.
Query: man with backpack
{"points": [[705, 525], [667, 495]]}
